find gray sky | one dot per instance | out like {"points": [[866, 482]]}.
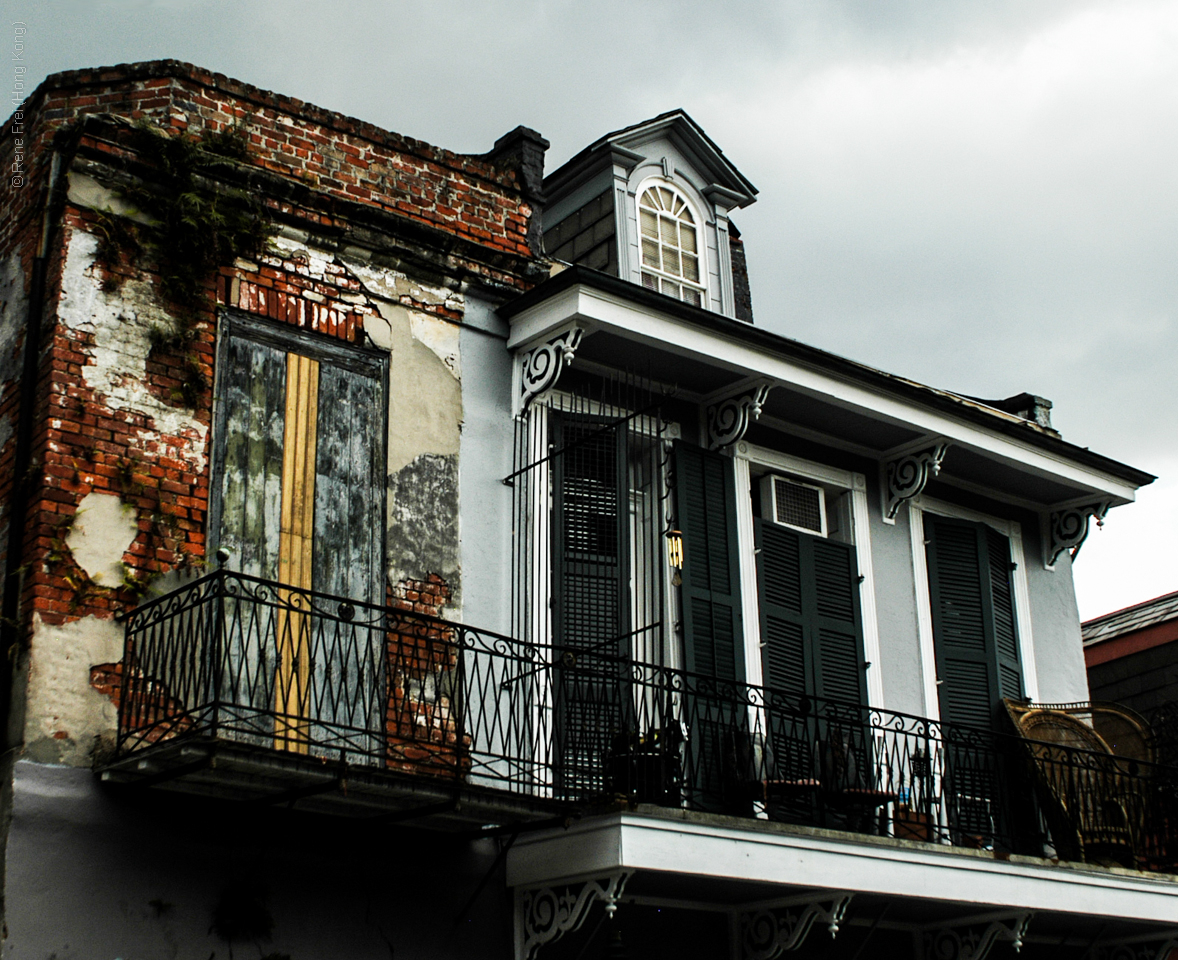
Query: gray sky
{"points": [[980, 196]]}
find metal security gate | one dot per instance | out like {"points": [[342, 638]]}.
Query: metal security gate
{"points": [[590, 520]]}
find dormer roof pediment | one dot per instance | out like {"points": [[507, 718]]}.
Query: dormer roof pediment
{"points": [[631, 145]]}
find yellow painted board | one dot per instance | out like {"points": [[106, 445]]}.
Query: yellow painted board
{"points": [[296, 553]]}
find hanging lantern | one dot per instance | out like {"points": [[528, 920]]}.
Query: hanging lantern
{"points": [[675, 555]]}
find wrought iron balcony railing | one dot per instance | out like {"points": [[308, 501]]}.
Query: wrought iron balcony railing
{"points": [[292, 672], [236, 658]]}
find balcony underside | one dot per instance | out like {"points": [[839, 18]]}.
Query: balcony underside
{"points": [[681, 860], [263, 776]]}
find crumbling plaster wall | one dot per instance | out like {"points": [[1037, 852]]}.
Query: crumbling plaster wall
{"points": [[120, 321], [425, 419], [67, 720], [111, 327]]}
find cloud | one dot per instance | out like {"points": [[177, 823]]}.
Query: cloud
{"points": [[988, 220], [982, 196]]}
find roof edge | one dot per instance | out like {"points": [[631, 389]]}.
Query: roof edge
{"points": [[142, 70], [911, 390], [672, 119]]}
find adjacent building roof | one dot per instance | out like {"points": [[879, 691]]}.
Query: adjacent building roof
{"points": [[1131, 619]]}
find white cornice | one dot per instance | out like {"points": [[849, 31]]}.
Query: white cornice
{"points": [[800, 858], [596, 309]]}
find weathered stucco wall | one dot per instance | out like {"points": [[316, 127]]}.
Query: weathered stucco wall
{"points": [[424, 423], [484, 460], [1055, 618]]}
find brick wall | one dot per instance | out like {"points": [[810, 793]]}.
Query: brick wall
{"points": [[421, 723], [317, 169], [465, 196]]}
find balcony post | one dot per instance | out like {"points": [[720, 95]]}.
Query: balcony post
{"points": [[218, 628]]}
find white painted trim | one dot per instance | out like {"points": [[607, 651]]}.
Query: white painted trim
{"points": [[856, 485], [1012, 530], [788, 463], [621, 189], [679, 336], [924, 613], [724, 256], [872, 651], [750, 601], [800, 858]]}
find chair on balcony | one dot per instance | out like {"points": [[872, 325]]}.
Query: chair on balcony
{"points": [[848, 782], [1094, 797]]}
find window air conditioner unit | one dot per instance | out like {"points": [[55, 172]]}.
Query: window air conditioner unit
{"points": [[789, 503]]}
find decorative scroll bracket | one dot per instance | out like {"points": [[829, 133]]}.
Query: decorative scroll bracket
{"points": [[972, 943], [767, 933], [908, 475], [729, 419], [543, 365], [1069, 528], [547, 914]]}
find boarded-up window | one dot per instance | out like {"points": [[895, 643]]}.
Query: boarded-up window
{"points": [[298, 498]]}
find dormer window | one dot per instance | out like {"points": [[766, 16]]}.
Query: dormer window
{"points": [[670, 245]]}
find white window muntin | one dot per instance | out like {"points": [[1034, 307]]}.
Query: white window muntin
{"points": [[671, 243]]}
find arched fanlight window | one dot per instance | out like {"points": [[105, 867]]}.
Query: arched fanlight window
{"points": [[670, 245]]}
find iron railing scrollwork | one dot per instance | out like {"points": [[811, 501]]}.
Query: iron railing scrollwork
{"points": [[241, 659]]}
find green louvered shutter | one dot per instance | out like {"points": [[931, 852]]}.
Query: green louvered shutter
{"points": [[1010, 673], [713, 636], [838, 627], [811, 626], [706, 505], [976, 643], [786, 655], [974, 629], [590, 599]]}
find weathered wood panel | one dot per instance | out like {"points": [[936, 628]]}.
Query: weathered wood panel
{"points": [[296, 547], [349, 485], [300, 481], [349, 489], [252, 394]]}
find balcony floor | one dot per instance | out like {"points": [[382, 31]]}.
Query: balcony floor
{"points": [[266, 777]]}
